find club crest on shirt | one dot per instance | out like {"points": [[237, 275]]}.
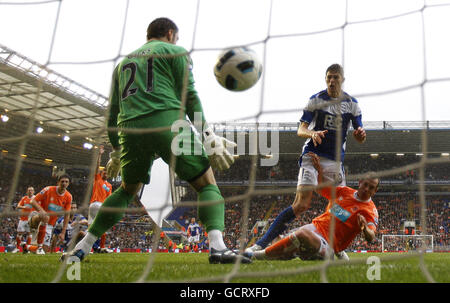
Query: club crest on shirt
{"points": [[339, 212]]}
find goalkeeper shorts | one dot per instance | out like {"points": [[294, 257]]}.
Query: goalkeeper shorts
{"points": [[139, 150]]}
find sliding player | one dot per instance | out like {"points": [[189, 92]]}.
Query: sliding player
{"points": [[51, 199], [23, 227], [319, 123], [354, 212], [147, 92]]}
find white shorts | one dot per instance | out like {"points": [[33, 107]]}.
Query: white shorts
{"points": [[308, 174], [23, 226], [324, 249], [48, 235], [194, 239], [93, 210]]}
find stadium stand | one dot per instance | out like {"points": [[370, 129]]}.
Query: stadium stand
{"points": [[397, 192]]}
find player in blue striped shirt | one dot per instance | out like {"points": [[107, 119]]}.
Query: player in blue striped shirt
{"points": [[327, 114], [74, 221]]}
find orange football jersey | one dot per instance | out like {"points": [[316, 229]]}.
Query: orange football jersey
{"points": [[101, 189], [51, 201]]}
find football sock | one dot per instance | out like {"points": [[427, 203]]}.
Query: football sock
{"points": [[215, 239], [86, 243], [213, 215], [79, 237], [29, 240], [33, 247], [102, 241], [34, 233], [278, 227], [104, 220], [18, 242], [41, 234]]}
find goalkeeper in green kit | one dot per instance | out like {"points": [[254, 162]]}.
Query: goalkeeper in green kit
{"points": [[146, 93]]}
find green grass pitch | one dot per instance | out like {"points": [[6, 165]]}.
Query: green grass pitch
{"points": [[190, 267]]}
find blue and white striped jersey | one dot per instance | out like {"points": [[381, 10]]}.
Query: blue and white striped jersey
{"points": [[325, 118], [69, 231]]}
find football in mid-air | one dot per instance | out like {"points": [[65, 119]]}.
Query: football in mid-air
{"points": [[238, 69]]}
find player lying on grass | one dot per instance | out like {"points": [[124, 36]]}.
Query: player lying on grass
{"points": [[319, 124], [354, 212]]}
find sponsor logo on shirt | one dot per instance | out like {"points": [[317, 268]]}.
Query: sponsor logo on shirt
{"points": [[105, 187], [54, 207]]}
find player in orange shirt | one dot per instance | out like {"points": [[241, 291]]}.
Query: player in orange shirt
{"points": [[354, 212], [49, 200], [100, 191], [23, 227]]}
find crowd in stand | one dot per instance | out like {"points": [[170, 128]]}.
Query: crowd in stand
{"points": [[130, 235], [393, 209], [287, 168]]}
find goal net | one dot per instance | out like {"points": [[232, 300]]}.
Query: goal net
{"points": [[407, 243]]}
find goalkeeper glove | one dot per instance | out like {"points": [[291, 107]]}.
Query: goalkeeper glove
{"points": [[113, 165], [216, 149]]}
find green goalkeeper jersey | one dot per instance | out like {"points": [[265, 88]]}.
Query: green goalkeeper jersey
{"points": [[151, 79]]}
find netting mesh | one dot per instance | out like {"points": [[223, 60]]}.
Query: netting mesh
{"points": [[40, 101]]}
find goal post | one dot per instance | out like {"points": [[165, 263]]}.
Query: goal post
{"points": [[396, 243]]}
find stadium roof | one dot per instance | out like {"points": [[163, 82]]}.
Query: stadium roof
{"points": [[32, 93], [31, 89]]}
